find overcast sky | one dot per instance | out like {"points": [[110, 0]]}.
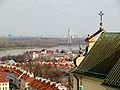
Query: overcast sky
{"points": [[54, 17]]}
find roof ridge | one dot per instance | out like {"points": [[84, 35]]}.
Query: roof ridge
{"points": [[112, 32]]}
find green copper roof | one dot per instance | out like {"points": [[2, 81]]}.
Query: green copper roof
{"points": [[102, 57], [113, 78]]}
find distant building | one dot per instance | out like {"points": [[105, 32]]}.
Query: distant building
{"points": [[4, 83], [9, 62], [32, 55]]}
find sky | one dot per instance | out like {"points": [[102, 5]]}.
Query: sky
{"points": [[54, 17]]}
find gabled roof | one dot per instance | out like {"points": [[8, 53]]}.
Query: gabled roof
{"points": [[102, 58], [99, 31]]}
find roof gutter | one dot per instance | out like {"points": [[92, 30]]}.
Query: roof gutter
{"points": [[77, 81]]}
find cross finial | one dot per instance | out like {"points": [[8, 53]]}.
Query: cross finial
{"points": [[101, 17]]}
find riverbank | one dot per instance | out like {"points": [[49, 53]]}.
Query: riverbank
{"points": [[14, 48]]}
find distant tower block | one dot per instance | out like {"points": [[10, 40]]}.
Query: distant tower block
{"points": [[69, 36]]}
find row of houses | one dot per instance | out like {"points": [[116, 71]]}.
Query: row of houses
{"points": [[35, 54], [60, 60], [20, 79], [59, 64], [53, 55]]}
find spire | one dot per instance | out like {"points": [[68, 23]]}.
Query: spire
{"points": [[101, 18]]}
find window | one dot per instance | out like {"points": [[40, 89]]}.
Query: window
{"points": [[3, 88], [6, 88], [6, 84], [3, 84]]}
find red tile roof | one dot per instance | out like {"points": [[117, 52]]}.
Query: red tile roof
{"points": [[17, 72], [42, 85], [34, 83], [25, 76], [30, 79], [3, 79]]}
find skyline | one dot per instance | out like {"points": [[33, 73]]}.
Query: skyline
{"points": [[54, 17]]}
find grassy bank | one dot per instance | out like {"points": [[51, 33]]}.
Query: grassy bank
{"points": [[12, 48]]}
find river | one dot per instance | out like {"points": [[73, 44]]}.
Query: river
{"points": [[21, 51]]}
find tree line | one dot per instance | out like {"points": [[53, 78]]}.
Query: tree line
{"points": [[22, 42], [35, 42]]}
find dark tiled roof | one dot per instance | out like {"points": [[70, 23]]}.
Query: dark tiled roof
{"points": [[113, 78], [102, 57]]}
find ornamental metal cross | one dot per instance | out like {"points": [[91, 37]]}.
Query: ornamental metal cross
{"points": [[101, 17]]}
